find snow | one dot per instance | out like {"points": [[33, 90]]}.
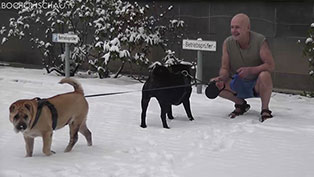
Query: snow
{"points": [[106, 57], [211, 145], [3, 40], [124, 53], [308, 40]]}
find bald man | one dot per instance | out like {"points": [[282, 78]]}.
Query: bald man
{"points": [[246, 67]]}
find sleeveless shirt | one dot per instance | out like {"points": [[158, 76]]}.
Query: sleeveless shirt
{"points": [[245, 57]]}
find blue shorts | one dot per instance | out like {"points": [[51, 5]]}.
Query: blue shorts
{"points": [[243, 88]]}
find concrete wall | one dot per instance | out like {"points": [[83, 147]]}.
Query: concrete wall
{"points": [[283, 23]]}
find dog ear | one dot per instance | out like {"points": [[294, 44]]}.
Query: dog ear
{"points": [[28, 106], [12, 108]]}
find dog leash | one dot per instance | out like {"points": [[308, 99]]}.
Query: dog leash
{"points": [[184, 73], [148, 90], [112, 93], [197, 81]]}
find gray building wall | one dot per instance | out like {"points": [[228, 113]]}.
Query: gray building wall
{"points": [[283, 24]]}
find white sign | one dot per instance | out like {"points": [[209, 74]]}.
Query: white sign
{"points": [[65, 38], [199, 45]]}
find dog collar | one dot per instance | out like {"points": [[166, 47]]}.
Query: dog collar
{"points": [[53, 110]]}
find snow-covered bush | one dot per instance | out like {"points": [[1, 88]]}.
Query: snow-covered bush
{"points": [[308, 51], [129, 32], [108, 30], [37, 25], [170, 59]]}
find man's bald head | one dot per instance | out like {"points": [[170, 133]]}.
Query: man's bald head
{"points": [[242, 19], [240, 27]]}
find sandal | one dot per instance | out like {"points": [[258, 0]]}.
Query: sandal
{"points": [[264, 117], [240, 109]]}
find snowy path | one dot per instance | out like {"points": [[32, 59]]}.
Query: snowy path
{"points": [[212, 145]]}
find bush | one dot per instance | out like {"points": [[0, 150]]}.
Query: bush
{"points": [[308, 51], [108, 30]]}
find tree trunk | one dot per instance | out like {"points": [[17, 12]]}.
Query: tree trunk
{"points": [[120, 69]]}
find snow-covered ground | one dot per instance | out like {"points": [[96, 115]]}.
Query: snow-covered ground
{"points": [[212, 145]]}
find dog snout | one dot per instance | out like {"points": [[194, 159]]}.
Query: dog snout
{"points": [[21, 126]]}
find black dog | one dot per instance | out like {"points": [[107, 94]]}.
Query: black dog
{"points": [[170, 87]]}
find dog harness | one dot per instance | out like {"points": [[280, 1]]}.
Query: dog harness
{"points": [[53, 110]]}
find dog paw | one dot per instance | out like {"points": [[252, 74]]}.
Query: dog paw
{"points": [[170, 117], [68, 149], [49, 153], [144, 126]]}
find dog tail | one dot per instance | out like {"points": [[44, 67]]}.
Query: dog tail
{"points": [[77, 86]]}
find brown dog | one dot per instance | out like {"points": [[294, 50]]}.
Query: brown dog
{"points": [[39, 117]]}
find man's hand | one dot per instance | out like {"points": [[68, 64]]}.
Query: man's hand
{"points": [[244, 72], [219, 78], [219, 81]]}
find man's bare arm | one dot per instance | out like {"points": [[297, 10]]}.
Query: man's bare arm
{"points": [[268, 63], [225, 63], [267, 58]]}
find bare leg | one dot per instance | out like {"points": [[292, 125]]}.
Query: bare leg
{"points": [[264, 87], [228, 94], [240, 104]]}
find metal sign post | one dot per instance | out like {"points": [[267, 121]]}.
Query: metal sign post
{"points": [[67, 60], [200, 46], [66, 38], [199, 71]]}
